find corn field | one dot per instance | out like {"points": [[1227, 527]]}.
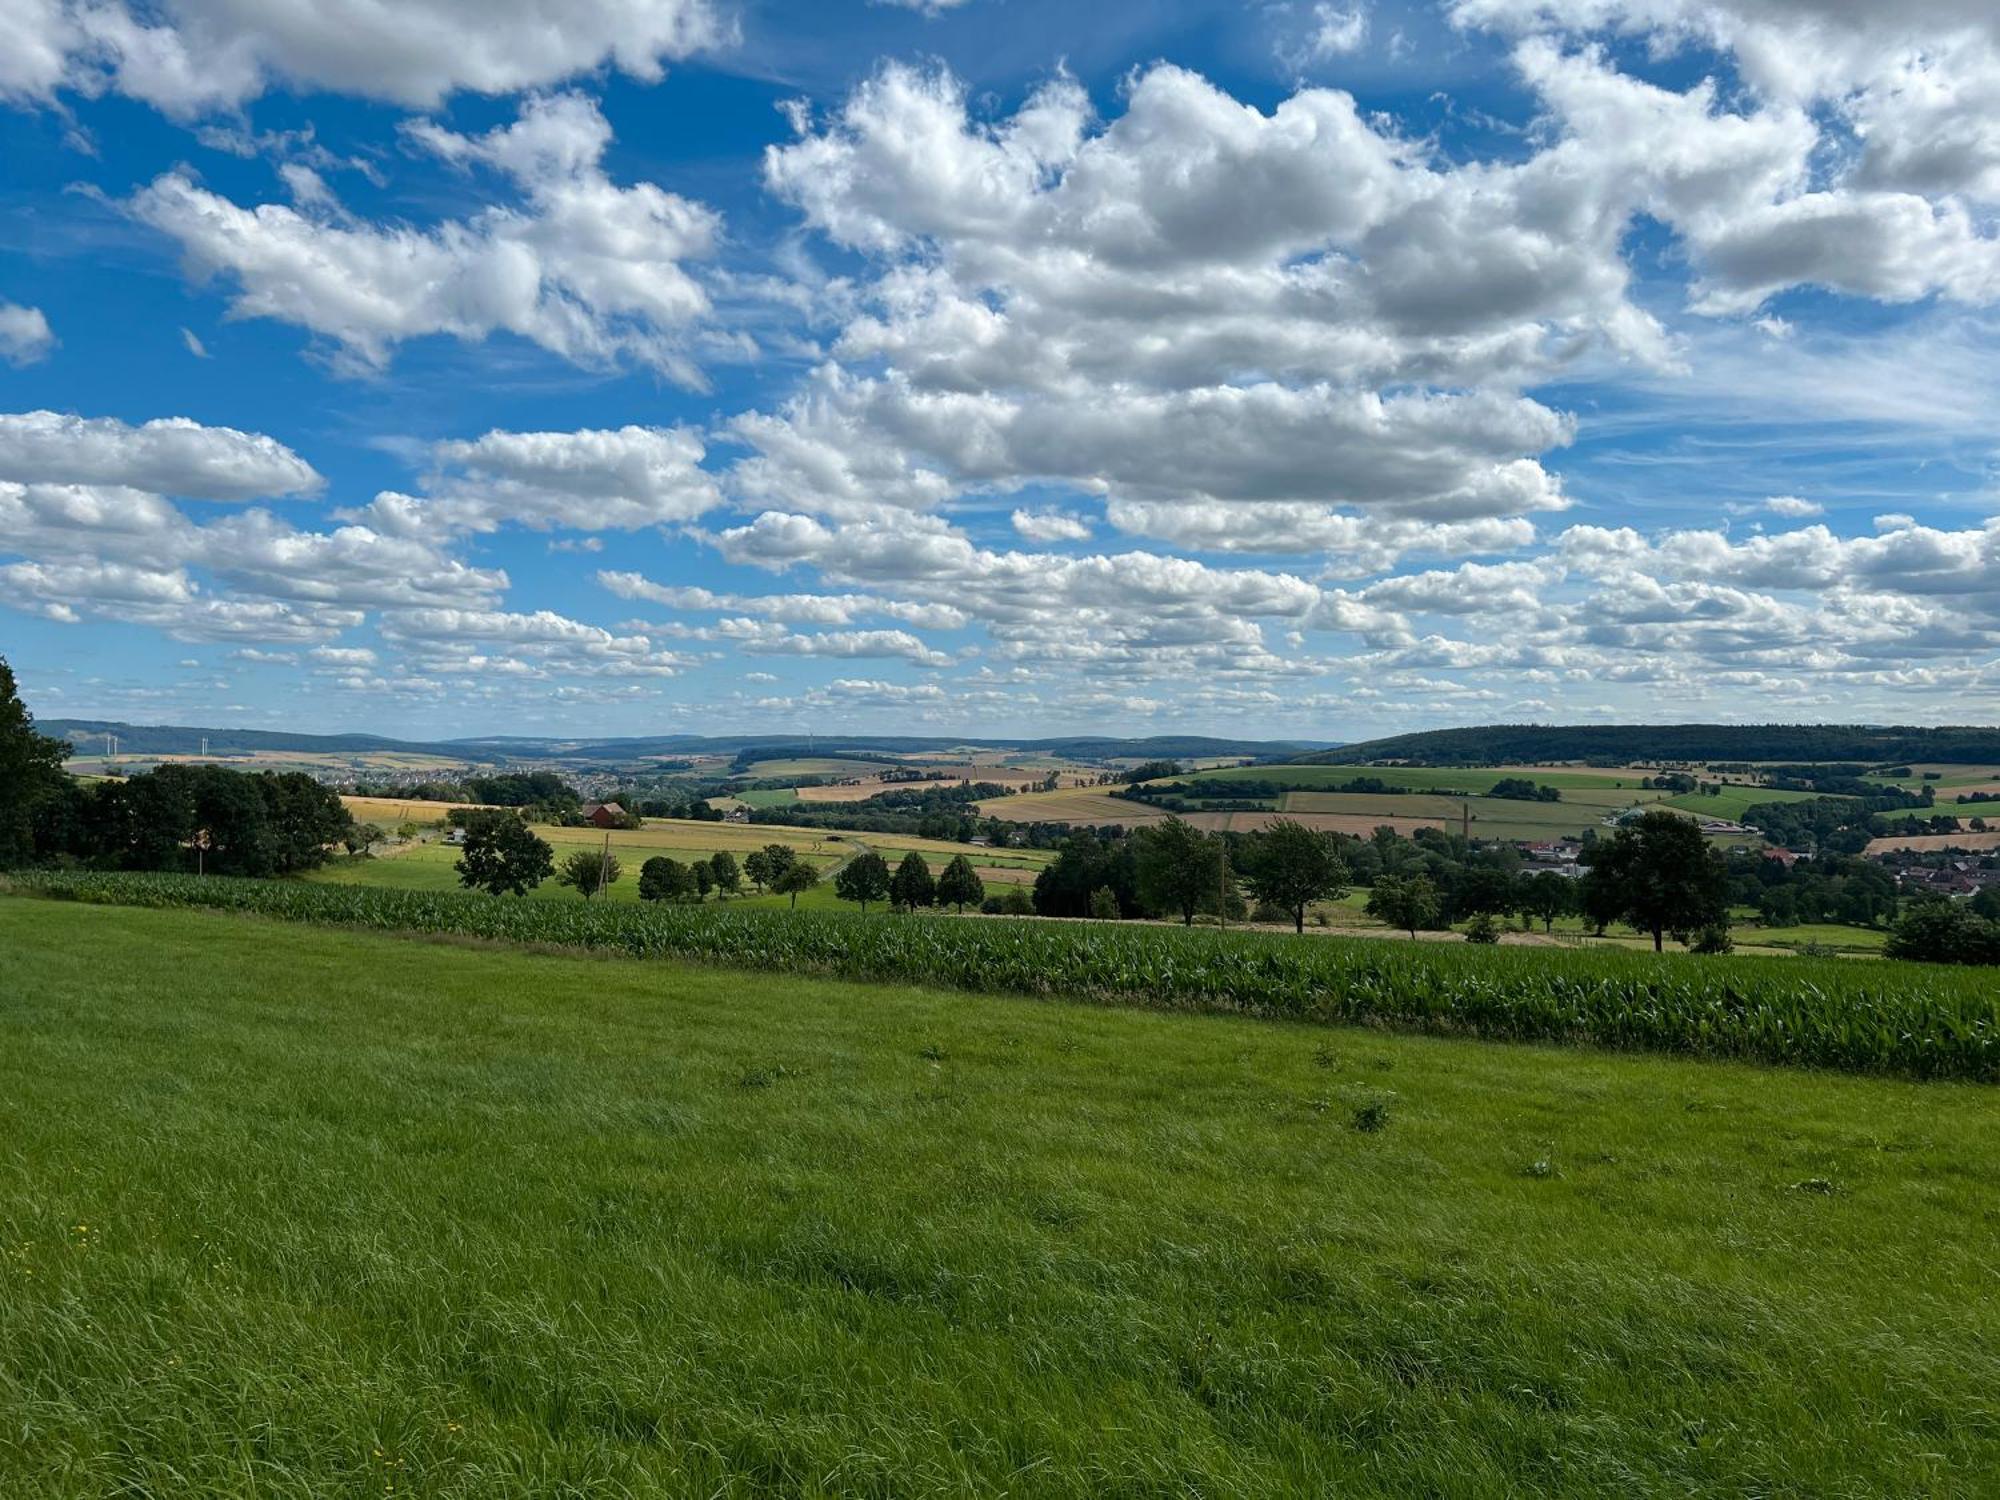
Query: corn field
{"points": [[1913, 1019]]}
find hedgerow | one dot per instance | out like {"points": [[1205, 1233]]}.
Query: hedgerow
{"points": [[1915, 1019]]}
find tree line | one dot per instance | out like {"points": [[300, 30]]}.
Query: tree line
{"points": [[206, 819]]}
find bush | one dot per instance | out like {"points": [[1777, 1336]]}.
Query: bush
{"points": [[1944, 932], [1714, 938], [1104, 904], [1482, 929]]}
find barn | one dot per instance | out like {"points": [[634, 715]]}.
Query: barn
{"points": [[604, 814]]}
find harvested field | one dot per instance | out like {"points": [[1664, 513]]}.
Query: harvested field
{"points": [[1935, 843]]}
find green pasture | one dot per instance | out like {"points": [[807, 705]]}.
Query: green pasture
{"points": [[295, 1211]]}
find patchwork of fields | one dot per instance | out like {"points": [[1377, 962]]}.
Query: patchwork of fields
{"points": [[431, 864], [358, 1215]]}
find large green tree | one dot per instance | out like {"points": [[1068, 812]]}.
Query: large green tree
{"points": [[1657, 873], [862, 879], [912, 885], [502, 854], [1181, 870], [1291, 866], [1405, 901], [30, 773], [765, 865], [960, 885], [796, 878], [664, 879], [1547, 895], [727, 875]]}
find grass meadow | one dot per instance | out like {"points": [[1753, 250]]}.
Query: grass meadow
{"points": [[431, 865], [288, 1210]]}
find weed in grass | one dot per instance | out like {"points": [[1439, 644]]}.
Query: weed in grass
{"points": [[1372, 1116], [1820, 1185]]}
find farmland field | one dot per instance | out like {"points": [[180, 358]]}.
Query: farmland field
{"points": [[1082, 807], [1935, 843], [357, 1215], [765, 797], [432, 865], [815, 766], [1734, 801], [390, 812], [1492, 817], [1950, 777], [1436, 778]]}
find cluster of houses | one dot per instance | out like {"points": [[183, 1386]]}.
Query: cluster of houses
{"points": [[1713, 826], [1562, 858], [1958, 877]]}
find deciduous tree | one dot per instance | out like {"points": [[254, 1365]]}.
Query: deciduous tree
{"points": [[502, 855], [1291, 866], [728, 877], [1659, 874], [862, 879], [1180, 869], [664, 879], [794, 878], [960, 885], [590, 871], [912, 885], [30, 772], [1405, 901]]}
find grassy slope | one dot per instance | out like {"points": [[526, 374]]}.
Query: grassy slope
{"points": [[286, 1211]]}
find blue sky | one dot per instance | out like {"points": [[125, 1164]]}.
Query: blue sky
{"points": [[998, 367]]}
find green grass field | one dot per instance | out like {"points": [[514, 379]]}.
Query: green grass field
{"points": [[1432, 778], [1492, 817], [294, 1211], [770, 797], [433, 866], [1733, 801], [817, 766]]}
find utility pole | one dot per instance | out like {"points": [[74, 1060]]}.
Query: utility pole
{"points": [[604, 865]]}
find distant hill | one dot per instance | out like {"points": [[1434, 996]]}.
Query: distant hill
{"points": [[175, 739], [1531, 744]]}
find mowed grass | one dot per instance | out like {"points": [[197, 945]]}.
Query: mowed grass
{"points": [[1733, 801], [287, 1211]]}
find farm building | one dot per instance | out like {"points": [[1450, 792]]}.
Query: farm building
{"points": [[604, 814]]}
